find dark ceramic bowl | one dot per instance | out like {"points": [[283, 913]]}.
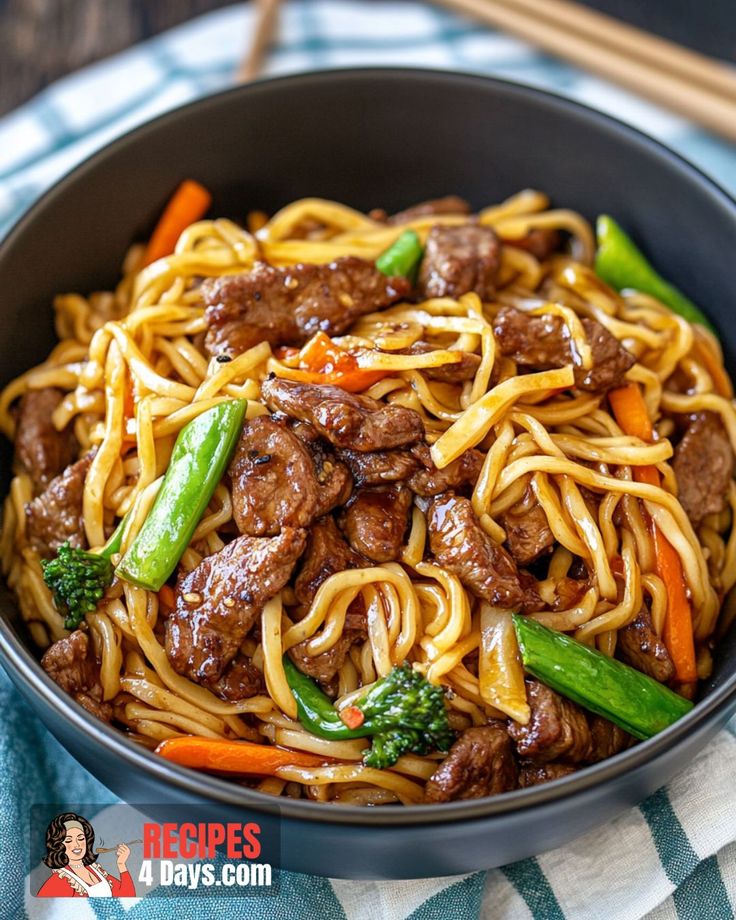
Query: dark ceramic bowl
{"points": [[370, 138]]}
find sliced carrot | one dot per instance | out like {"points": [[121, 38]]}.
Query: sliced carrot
{"points": [[188, 204], [321, 361], [704, 353], [631, 411], [166, 597], [631, 414], [234, 756], [678, 622]]}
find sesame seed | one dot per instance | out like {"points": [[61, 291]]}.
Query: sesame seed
{"points": [[229, 602], [193, 598]]}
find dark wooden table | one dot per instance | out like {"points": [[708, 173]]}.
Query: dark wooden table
{"points": [[41, 40]]}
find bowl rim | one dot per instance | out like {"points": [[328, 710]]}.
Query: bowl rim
{"points": [[26, 670]]}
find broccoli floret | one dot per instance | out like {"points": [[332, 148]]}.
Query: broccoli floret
{"points": [[77, 580], [408, 715]]}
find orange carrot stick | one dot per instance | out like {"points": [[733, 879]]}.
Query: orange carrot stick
{"points": [[167, 597], [234, 756], [631, 414], [631, 411], [187, 205]]}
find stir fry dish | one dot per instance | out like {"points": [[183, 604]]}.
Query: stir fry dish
{"points": [[377, 508]]}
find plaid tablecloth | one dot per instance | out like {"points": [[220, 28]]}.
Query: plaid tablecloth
{"points": [[674, 855]]}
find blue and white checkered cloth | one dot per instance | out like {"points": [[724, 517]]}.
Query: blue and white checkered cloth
{"points": [[672, 857]]}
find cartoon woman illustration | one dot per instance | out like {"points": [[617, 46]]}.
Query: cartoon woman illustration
{"points": [[70, 842]]}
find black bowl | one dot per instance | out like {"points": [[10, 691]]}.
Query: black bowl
{"points": [[371, 138]]}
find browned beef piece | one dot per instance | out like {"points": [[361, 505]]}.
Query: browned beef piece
{"points": [[345, 419], [240, 680], [480, 763], [528, 535], [703, 465], [560, 730], [460, 473], [606, 739], [543, 342], [460, 544], [72, 664], [333, 476], [642, 648], [374, 468], [219, 600], [569, 592], [324, 667], [375, 521], [540, 242], [557, 729], [533, 774], [285, 306], [41, 450], [276, 483], [56, 514], [458, 260], [326, 554], [450, 204], [463, 369]]}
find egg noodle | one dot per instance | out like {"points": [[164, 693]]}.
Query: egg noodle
{"points": [[133, 369]]}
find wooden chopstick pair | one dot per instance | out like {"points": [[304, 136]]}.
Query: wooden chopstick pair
{"points": [[691, 84]]}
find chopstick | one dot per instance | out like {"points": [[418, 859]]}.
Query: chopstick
{"points": [[688, 83], [636, 43], [267, 17]]}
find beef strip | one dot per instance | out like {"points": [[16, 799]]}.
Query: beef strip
{"points": [[41, 450], [55, 515], [703, 465], [240, 680], [276, 482], [528, 534], [480, 763], [375, 521], [606, 739], [463, 369], [324, 667], [286, 306], [642, 648], [460, 544], [541, 242], [533, 774], [569, 592], [333, 476], [557, 728], [72, 664], [345, 419], [460, 473], [458, 260], [450, 204], [219, 601], [326, 554], [560, 730], [543, 342], [373, 468]]}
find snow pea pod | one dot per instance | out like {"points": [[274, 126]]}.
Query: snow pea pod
{"points": [[200, 457], [635, 702]]}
